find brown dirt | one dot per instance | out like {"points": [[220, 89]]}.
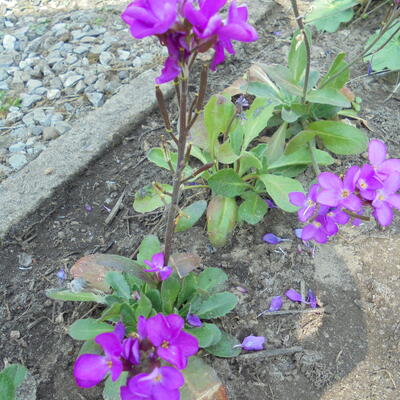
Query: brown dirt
{"points": [[350, 352]]}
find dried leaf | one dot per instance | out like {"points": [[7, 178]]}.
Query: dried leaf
{"points": [[184, 263]]}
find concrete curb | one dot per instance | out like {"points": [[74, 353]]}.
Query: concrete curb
{"points": [[69, 155], [66, 157]]}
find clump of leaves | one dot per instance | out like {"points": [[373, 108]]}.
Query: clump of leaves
{"points": [[6, 102], [385, 55], [327, 15], [11, 378]]}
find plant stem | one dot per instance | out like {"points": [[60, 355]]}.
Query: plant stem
{"points": [[300, 23], [311, 145], [183, 133]]}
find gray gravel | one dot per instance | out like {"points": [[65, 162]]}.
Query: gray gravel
{"points": [[58, 64]]}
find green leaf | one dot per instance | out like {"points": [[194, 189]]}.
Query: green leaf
{"points": [[225, 347], [156, 156], [201, 382], [191, 215], [90, 347], [301, 157], [7, 387], [149, 246], [112, 390], [226, 182], [257, 117], [261, 89], [253, 209], [236, 137], [290, 171], [148, 199], [282, 77], [217, 305], [155, 297], [128, 317], [279, 187], [389, 56], [338, 64], [144, 307], [16, 373], [297, 59], [169, 293], [188, 288], [329, 96], [85, 329], [276, 145], [67, 295], [111, 313], [327, 15], [211, 277], [221, 219], [218, 113], [225, 153], [197, 153], [208, 334], [340, 138], [300, 140], [119, 284], [248, 160]]}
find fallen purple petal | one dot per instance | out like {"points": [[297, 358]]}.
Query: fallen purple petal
{"points": [[312, 299], [88, 208], [273, 239], [241, 289], [292, 295], [251, 343], [298, 232], [194, 320], [276, 303], [61, 275], [270, 203]]}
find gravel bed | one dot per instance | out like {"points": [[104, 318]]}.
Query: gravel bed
{"points": [[57, 63]]}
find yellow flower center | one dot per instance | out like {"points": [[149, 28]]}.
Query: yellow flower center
{"points": [[157, 378], [165, 344], [109, 364], [381, 197], [363, 184], [317, 224], [345, 193]]}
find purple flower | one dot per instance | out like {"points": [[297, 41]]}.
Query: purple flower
{"points": [[170, 71], [270, 203], [316, 230], [150, 17], [298, 232], [377, 157], [312, 299], [157, 265], [367, 182], [386, 198], [88, 208], [91, 369], [161, 384], [336, 192], [173, 344], [276, 304], [307, 203], [273, 239], [130, 350], [194, 320], [61, 275], [292, 295], [253, 343]]}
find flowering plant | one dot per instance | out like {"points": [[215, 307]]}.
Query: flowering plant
{"points": [[337, 201]]}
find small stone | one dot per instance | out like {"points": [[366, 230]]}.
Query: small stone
{"points": [[14, 335], [123, 54], [55, 83], [33, 84], [111, 186], [71, 59], [96, 98], [31, 141], [37, 148], [20, 133], [62, 127], [72, 80], [17, 161], [17, 147], [49, 133], [9, 42], [48, 171], [13, 117], [4, 171], [80, 87], [81, 49], [123, 75], [105, 58], [53, 94], [6, 60], [29, 100], [4, 85], [35, 130]]}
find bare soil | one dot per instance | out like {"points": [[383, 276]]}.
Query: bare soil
{"points": [[349, 352]]}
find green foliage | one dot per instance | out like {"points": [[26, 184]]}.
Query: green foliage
{"points": [[327, 15], [6, 102], [11, 378], [388, 56], [149, 198], [190, 215], [225, 347], [89, 328]]}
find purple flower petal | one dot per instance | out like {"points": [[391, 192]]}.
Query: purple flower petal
{"points": [[90, 369], [88, 208], [292, 295], [312, 299], [298, 232], [253, 343], [273, 239], [276, 303], [194, 320], [61, 274], [270, 203]]}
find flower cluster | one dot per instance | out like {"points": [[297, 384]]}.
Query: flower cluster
{"points": [[334, 200], [143, 354], [188, 27]]}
